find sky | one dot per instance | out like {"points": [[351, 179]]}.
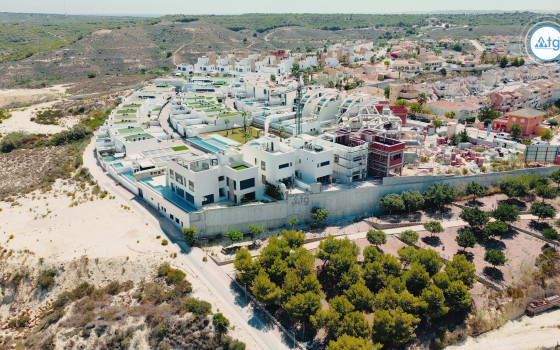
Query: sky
{"points": [[195, 7]]}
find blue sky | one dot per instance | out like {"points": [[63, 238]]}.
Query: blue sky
{"points": [[159, 7]]}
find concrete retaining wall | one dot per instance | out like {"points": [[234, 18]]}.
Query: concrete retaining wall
{"points": [[340, 203]]}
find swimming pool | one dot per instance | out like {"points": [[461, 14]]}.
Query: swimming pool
{"points": [[117, 165]]}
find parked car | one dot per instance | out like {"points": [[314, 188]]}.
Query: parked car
{"points": [[503, 135]]}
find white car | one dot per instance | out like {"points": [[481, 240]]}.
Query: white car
{"points": [[502, 135]]}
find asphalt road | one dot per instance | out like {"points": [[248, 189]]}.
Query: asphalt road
{"points": [[265, 335]]}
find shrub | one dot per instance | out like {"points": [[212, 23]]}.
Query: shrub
{"points": [[220, 322], [175, 276], [46, 280], [20, 321], [196, 306], [164, 242], [550, 233]]}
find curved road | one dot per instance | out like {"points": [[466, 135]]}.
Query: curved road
{"points": [[263, 334]]}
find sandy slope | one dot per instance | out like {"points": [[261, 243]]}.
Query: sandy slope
{"points": [[101, 228], [23, 96], [522, 334], [21, 121]]}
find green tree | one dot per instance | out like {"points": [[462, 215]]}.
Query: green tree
{"points": [[346, 342], [190, 235], [387, 91], [392, 202], [295, 69], [416, 108], [387, 64], [301, 307], [293, 222], [460, 269], [220, 322], [273, 78], [435, 301], [394, 328], [547, 135], [227, 121], [450, 115], [542, 211], [486, 114], [504, 62], [422, 98], [360, 296], [506, 212], [550, 233], [413, 200], [255, 231], [265, 290], [438, 196], [546, 192], [294, 239], [441, 280], [376, 237], [234, 236], [247, 267], [355, 325], [466, 239], [428, 258], [433, 227], [555, 176], [409, 236], [319, 214], [475, 190], [437, 123], [416, 278], [457, 296], [475, 217], [496, 229], [495, 257], [278, 271], [515, 130], [514, 187]]}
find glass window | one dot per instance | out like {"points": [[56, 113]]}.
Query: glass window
{"points": [[263, 165], [191, 185]]}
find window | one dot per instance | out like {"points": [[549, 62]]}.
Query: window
{"points": [[282, 166], [189, 197], [263, 179], [255, 161], [234, 185], [191, 185], [221, 178], [514, 119], [522, 121], [171, 216], [180, 192], [248, 183], [179, 178], [263, 165], [171, 173], [325, 163]]}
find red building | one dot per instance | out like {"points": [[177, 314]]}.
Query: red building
{"points": [[397, 111], [385, 155]]}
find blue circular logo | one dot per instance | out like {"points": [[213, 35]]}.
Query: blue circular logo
{"points": [[544, 43]]}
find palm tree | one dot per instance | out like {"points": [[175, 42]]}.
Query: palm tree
{"points": [[387, 64], [400, 69], [244, 115], [282, 128], [422, 98], [227, 126]]}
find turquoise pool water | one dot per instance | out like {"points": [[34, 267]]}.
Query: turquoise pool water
{"points": [[117, 165]]}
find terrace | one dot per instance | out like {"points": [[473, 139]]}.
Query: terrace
{"points": [[139, 137], [130, 130]]}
